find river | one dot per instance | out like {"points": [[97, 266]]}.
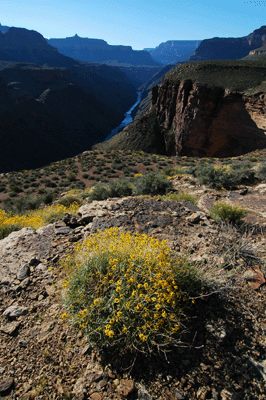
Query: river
{"points": [[128, 118]]}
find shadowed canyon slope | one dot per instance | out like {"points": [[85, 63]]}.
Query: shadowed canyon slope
{"points": [[138, 65], [59, 105], [211, 108]]}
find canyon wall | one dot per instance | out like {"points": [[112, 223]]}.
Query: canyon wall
{"points": [[202, 121]]}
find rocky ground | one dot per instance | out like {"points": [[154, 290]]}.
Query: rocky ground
{"points": [[224, 355]]}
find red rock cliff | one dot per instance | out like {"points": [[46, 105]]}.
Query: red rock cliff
{"points": [[203, 121]]}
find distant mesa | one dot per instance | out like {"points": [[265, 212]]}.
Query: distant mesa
{"points": [[98, 50], [174, 51]]}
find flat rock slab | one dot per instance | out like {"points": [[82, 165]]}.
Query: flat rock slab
{"points": [[15, 311], [10, 328], [21, 247]]}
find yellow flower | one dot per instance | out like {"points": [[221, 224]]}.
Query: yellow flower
{"points": [[142, 337]]}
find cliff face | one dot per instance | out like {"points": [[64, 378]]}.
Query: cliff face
{"points": [[203, 121]]}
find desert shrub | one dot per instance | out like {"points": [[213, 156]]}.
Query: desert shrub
{"points": [[227, 212], [85, 176], [222, 176], [152, 183], [47, 198], [99, 191], [262, 172], [71, 177], [128, 291], [68, 200], [121, 188], [15, 188]]}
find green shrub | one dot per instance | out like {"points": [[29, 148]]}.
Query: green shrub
{"points": [[99, 191], [68, 200], [5, 230], [227, 212], [262, 171], [128, 291], [152, 183], [222, 176], [121, 188]]}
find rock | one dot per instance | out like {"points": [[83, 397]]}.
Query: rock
{"points": [[95, 396], [142, 393], [217, 330], [195, 218], [23, 342], [125, 387], [203, 393], [6, 384], [179, 395], [63, 230], [34, 262], [258, 367], [23, 247], [79, 389], [10, 328], [94, 373], [23, 272], [228, 394], [71, 220], [15, 311]]}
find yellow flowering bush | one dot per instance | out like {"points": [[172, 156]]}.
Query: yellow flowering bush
{"points": [[123, 289], [35, 219]]}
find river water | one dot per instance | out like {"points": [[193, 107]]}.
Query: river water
{"points": [[128, 118]]}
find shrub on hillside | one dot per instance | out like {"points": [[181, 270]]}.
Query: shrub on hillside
{"points": [[223, 176], [227, 212], [128, 291], [152, 183], [262, 172]]}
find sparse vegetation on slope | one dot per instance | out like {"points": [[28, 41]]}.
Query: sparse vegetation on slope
{"points": [[238, 75]]}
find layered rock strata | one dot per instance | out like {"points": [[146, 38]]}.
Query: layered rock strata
{"points": [[198, 120]]}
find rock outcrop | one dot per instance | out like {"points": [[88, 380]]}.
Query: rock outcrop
{"points": [[207, 121], [203, 109]]}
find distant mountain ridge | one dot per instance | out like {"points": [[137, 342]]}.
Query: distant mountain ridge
{"points": [[99, 51], [229, 48], [174, 51]]}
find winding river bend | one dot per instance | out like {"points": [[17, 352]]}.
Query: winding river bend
{"points": [[128, 118]]}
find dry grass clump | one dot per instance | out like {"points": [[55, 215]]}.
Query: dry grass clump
{"points": [[224, 211]]}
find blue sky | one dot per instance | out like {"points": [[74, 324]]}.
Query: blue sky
{"points": [[138, 23]]}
